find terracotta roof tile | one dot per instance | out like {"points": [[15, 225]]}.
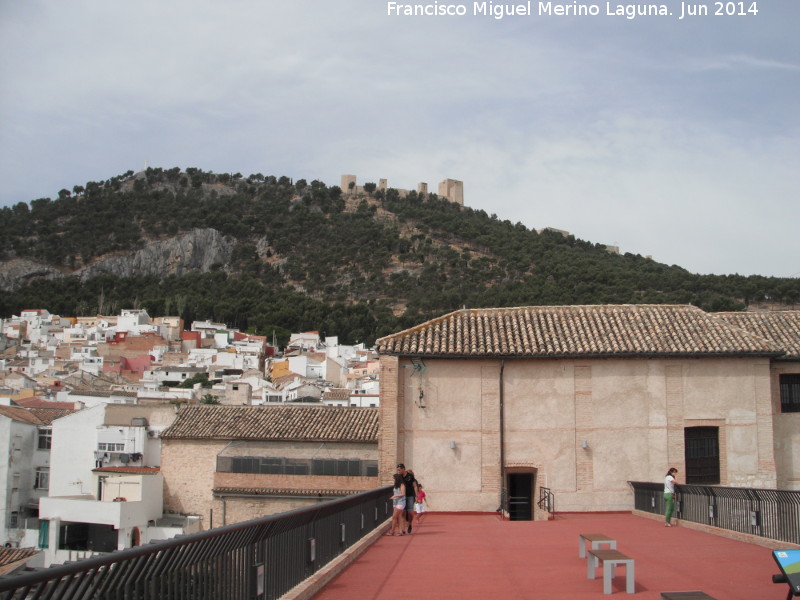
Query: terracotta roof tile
{"points": [[35, 402], [781, 327], [48, 415], [566, 331], [128, 470], [306, 423], [22, 415], [337, 394], [12, 555]]}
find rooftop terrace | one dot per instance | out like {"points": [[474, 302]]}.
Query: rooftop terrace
{"points": [[480, 556]]}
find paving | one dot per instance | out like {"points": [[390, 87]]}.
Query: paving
{"points": [[466, 557]]}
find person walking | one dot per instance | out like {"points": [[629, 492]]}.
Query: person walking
{"points": [[398, 506], [411, 492], [422, 501], [669, 495]]}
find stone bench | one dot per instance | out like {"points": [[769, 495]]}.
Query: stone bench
{"points": [[594, 539], [697, 595], [610, 559]]}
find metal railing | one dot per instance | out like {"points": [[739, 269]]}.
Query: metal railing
{"points": [[546, 501], [260, 559], [773, 514]]}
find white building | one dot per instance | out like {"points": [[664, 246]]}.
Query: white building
{"points": [[174, 375], [25, 439], [125, 509], [308, 341], [91, 398], [105, 435]]}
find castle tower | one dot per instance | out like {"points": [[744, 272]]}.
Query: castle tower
{"points": [[383, 184], [346, 181], [422, 189], [453, 190]]}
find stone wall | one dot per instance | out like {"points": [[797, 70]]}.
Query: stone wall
{"points": [[190, 476]]}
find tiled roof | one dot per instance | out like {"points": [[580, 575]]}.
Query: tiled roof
{"points": [[282, 492], [337, 394], [280, 423], [128, 470], [781, 327], [35, 402], [101, 393], [48, 415], [22, 415], [577, 331], [12, 555]]}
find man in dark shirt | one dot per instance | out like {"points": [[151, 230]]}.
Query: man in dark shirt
{"points": [[411, 492]]}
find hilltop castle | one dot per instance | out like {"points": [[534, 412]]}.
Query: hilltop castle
{"points": [[451, 189]]}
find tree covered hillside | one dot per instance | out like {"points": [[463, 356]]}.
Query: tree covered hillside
{"points": [[309, 256]]}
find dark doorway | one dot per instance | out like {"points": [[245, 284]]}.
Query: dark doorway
{"points": [[702, 455], [87, 536], [520, 496]]}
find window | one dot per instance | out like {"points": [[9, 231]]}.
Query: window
{"points": [[42, 479], [45, 438], [110, 447], [702, 455], [297, 466], [790, 393]]}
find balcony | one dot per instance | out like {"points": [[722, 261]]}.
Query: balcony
{"points": [[337, 550], [85, 509]]}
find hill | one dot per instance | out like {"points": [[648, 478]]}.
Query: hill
{"points": [[266, 254]]}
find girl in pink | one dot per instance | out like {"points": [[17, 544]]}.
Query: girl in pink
{"points": [[419, 505]]}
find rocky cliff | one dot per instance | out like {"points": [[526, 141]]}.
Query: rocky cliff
{"points": [[196, 250]]}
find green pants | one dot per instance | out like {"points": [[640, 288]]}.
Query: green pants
{"points": [[670, 500]]}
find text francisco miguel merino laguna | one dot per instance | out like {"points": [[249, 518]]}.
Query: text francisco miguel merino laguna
{"points": [[555, 9]]}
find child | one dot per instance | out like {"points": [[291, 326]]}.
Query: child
{"points": [[419, 505]]}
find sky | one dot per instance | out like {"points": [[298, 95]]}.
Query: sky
{"points": [[676, 138]]}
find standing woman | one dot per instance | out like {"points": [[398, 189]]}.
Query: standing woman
{"points": [[398, 506], [669, 495]]}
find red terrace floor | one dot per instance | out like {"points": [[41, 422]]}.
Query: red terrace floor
{"points": [[482, 557]]}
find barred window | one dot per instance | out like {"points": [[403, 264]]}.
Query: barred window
{"points": [[790, 393]]}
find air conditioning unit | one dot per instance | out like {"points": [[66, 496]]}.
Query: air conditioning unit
{"points": [[153, 434]]}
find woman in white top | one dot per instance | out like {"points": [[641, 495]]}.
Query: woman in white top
{"points": [[669, 495], [399, 505]]}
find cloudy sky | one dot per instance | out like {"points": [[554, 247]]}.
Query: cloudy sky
{"points": [[676, 138]]}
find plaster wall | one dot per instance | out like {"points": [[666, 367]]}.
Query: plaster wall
{"points": [[72, 452], [631, 414], [786, 427]]}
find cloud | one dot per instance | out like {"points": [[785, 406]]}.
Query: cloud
{"points": [[673, 139]]}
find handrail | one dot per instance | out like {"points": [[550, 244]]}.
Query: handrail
{"points": [[546, 500], [262, 558], [767, 513]]}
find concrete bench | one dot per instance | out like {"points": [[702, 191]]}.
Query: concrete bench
{"points": [[686, 596], [610, 559], [594, 539]]}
